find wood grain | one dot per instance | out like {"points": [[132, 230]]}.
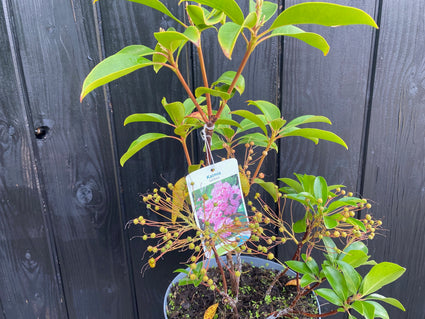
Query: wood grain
{"points": [[395, 170], [28, 276], [125, 23], [57, 41], [335, 86]]}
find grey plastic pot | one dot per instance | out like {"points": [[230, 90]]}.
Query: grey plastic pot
{"points": [[255, 261]]}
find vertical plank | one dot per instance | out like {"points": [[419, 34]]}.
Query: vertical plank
{"points": [[395, 169], [261, 74], [56, 41], [334, 86], [28, 278], [125, 23]]}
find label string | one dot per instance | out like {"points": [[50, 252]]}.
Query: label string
{"points": [[207, 143]]}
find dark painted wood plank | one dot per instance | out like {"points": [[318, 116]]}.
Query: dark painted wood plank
{"points": [[28, 278], [395, 170], [125, 23], [57, 42], [334, 86]]}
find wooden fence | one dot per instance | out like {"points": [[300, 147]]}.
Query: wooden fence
{"points": [[64, 200]]}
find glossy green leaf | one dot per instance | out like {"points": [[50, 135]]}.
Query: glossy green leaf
{"points": [[221, 121], [121, 63], [337, 282], [330, 247], [320, 188], [171, 40], [365, 309], [203, 90], [175, 110], [330, 222], [189, 106], [229, 7], [292, 183], [140, 143], [183, 129], [269, 110], [380, 275], [194, 167], [322, 13], [269, 187], [157, 58], [268, 10], [227, 37], [298, 266], [356, 222], [391, 301], [311, 264], [277, 124], [344, 201], [250, 20], [307, 279], [228, 77], [300, 226], [258, 139], [158, 5], [304, 119], [355, 258], [380, 311], [329, 295], [357, 245], [317, 133], [351, 276], [252, 117], [146, 117], [313, 39]]}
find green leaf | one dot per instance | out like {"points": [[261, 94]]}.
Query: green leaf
{"points": [[270, 111], [258, 139], [146, 117], [171, 40], [351, 276], [312, 264], [380, 311], [298, 266], [229, 7], [175, 110], [317, 133], [329, 295], [345, 201], [179, 190], [308, 119], [189, 106], [195, 167], [391, 301], [313, 39], [183, 129], [227, 37], [121, 63], [269, 187], [158, 5], [330, 247], [221, 121], [380, 275], [158, 59], [300, 226], [250, 20], [228, 77], [337, 282], [293, 184], [356, 222], [330, 222], [140, 143], [253, 118], [268, 10], [320, 188], [203, 90], [306, 280], [355, 258], [327, 14], [277, 124], [357, 245]]}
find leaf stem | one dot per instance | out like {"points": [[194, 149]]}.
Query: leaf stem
{"points": [[204, 78]]}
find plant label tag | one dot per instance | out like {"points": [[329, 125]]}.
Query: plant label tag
{"points": [[218, 206]]}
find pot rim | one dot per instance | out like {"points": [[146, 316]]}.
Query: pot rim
{"points": [[255, 261]]}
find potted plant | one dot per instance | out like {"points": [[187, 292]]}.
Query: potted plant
{"points": [[214, 212]]}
